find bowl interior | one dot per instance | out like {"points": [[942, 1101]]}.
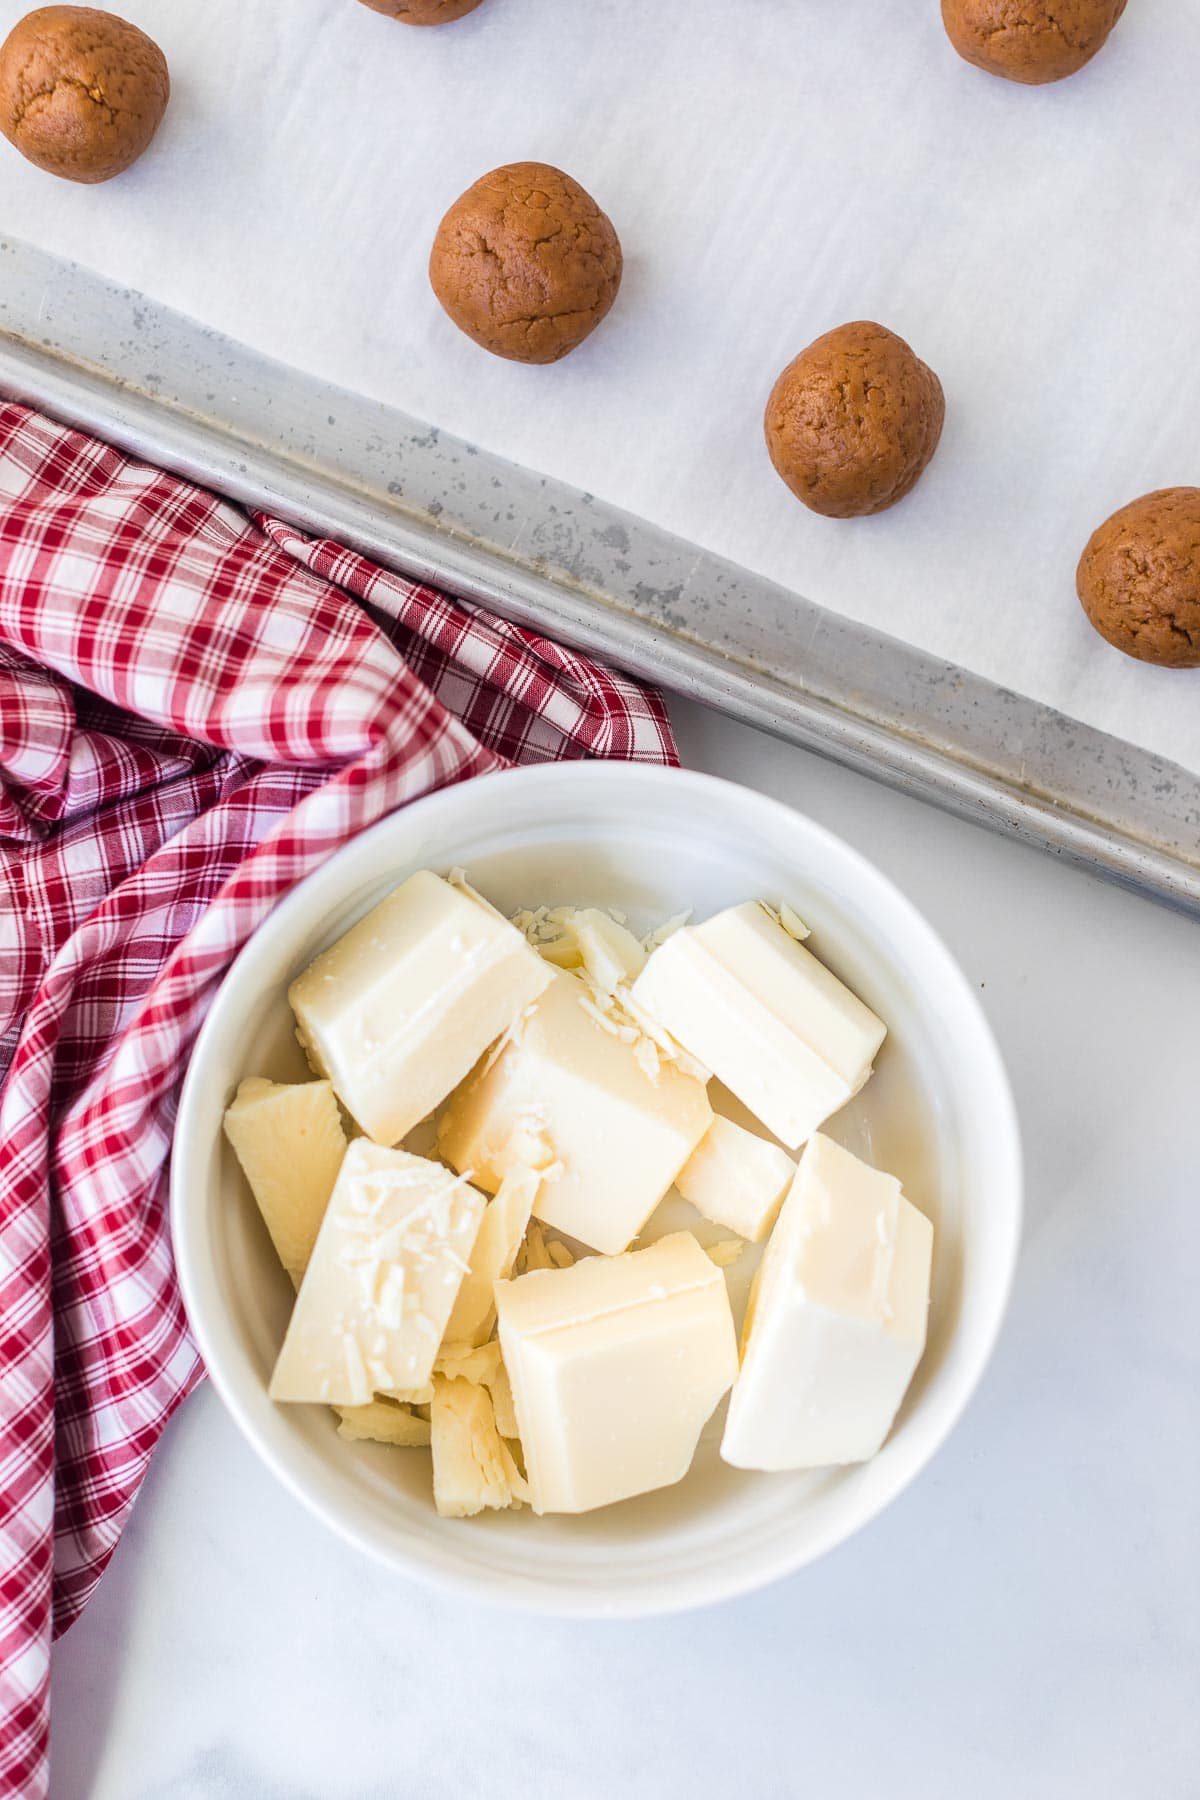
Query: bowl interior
{"points": [[937, 1113]]}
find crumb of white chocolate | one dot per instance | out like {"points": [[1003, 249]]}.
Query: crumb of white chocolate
{"points": [[725, 1252]]}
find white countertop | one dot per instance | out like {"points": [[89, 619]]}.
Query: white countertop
{"points": [[1023, 1620]]}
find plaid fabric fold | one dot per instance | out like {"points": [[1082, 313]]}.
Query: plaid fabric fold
{"points": [[196, 709]]}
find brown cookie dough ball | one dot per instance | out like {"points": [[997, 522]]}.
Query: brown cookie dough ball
{"points": [[81, 91], [1030, 40], [526, 263], [423, 12], [853, 421], [1139, 578]]}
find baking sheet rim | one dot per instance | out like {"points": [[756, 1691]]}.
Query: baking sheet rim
{"points": [[168, 389]]}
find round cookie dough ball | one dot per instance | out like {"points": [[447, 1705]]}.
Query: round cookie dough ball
{"points": [[526, 263], [853, 421], [81, 92], [423, 12], [1139, 578], [1030, 40]]}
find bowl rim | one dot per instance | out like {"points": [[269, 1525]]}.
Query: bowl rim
{"points": [[441, 1569]]}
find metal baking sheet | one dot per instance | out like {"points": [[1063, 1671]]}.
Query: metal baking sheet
{"points": [[166, 388]]}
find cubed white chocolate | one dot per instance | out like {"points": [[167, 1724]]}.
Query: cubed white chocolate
{"points": [[608, 951], [473, 1467], [289, 1140], [382, 1279], [837, 1319], [383, 1422], [752, 1004], [500, 1237], [615, 1366], [737, 1179], [571, 1098], [483, 1364], [399, 1009]]}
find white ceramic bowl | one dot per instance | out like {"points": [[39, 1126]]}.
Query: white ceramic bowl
{"points": [[937, 1112]]}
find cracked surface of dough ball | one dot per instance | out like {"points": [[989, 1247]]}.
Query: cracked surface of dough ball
{"points": [[423, 12], [853, 420], [81, 91], [526, 263], [1031, 41], [1139, 578]]}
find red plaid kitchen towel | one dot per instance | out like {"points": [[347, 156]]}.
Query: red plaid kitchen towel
{"points": [[196, 709]]}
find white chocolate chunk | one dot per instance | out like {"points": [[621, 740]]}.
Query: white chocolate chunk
{"points": [[615, 1366], [290, 1143], [382, 1424], [562, 951], [540, 1252], [571, 1099], [837, 1319], [473, 1467], [788, 917], [416, 1396], [383, 1277], [547, 929], [482, 1363], [737, 1179], [500, 1236], [402, 1006], [725, 1252], [500, 1388], [583, 937], [533, 1253], [758, 1009], [468, 1362], [609, 952]]}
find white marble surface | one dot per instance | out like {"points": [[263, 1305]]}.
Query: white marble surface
{"points": [[1022, 1622]]}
